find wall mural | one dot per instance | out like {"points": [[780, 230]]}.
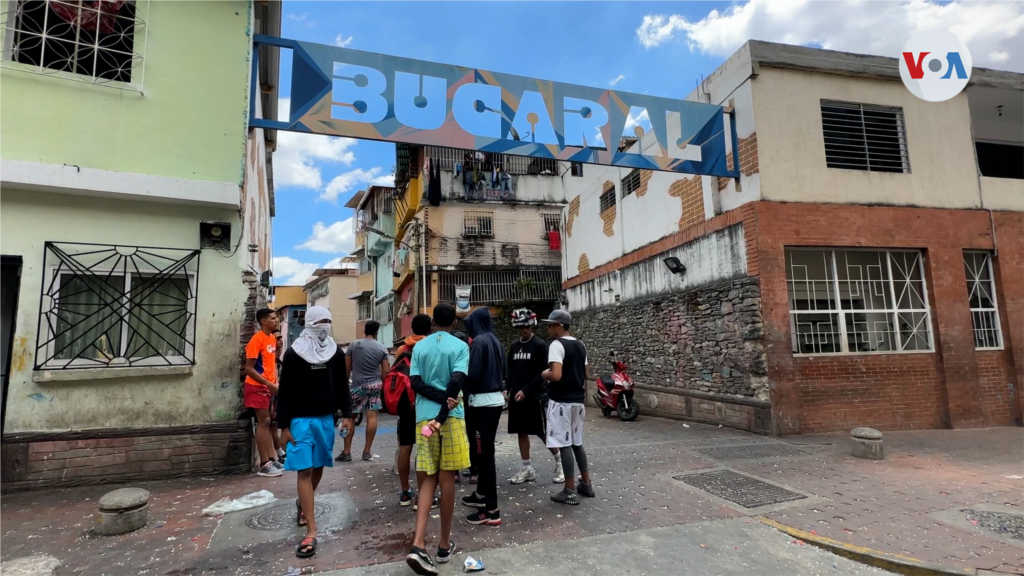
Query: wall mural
{"points": [[343, 92]]}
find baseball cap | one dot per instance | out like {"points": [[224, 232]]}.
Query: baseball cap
{"points": [[559, 317]]}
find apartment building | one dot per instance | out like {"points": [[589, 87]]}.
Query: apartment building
{"points": [[374, 290], [135, 227], [866, 268]]}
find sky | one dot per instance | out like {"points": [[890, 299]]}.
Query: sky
{"points": [[661, 49]]}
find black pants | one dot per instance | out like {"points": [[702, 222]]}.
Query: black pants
{"points": [[484, 429]]}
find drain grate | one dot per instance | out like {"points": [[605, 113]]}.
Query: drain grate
{"points": [[280, 517], [750, 452], [999, 522], [739, 489]]}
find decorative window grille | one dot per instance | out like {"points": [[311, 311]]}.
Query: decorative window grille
{"points": [[501, 286], [857, 301], [631, 182], [384, 309], [864, 137], [515, 165], [981, 292], [116, 306], [100, 42], [608, 197], [478, 224], [552, 222], [365, 309]]}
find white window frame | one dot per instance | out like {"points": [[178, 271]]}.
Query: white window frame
{"points": [[57, 364], [140, 38], [476, 230], [901, 135], [841, 313], [994, 310]]}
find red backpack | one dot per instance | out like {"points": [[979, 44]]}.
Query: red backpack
{"points": [[397, 386]]}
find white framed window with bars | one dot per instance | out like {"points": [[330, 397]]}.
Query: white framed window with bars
{"points": [[365, 309], [607, 199], [552, 222], [99, 42], [478, 224], [857, 301], [981, 294], [864, 137]]}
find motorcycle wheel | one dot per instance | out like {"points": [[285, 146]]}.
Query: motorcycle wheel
{"points": [[628, 414]]}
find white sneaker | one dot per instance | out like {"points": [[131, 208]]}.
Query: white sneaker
{"points": [[270, 471], [559, 474], [277, 464], [525, 474]]}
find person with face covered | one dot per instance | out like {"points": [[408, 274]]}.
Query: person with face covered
{"points": [[314, 385], [484, 390]]}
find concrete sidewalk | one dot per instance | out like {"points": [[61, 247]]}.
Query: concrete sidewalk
{"points": [[735, 547], [952, 497]]}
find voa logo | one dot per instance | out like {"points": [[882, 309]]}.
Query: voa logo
{"points": [[935, 65]]}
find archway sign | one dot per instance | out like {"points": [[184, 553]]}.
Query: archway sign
{"points": [[342, 92]]}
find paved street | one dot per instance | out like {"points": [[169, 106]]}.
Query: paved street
{"points": [[908, 504]]}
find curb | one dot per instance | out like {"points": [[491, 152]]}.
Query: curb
{"points": [[892, 562]]}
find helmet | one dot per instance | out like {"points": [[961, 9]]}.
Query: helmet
{"points": [[523, 317]]}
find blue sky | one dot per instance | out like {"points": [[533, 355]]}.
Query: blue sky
{"points": [[662, 49]]}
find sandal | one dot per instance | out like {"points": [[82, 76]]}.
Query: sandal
{"points": [[300, 518], [307, 548]]}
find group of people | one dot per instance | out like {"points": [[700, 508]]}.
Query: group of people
{"points": [[459, 385]]}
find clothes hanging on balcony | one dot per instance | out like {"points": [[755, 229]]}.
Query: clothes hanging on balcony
{"points": [[554, 240], [434, 186], [90, 15]]}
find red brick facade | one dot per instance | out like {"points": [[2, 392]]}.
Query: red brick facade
{"points": [[953, 386]]}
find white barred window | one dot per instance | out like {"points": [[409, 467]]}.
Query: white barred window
{"points": [[981, 293], [857, 301], [96, 41], [478, 224]]}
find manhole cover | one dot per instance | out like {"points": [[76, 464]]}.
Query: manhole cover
{"points": [[737, 488], [750, 452], [1000, 522], [280, 517]]}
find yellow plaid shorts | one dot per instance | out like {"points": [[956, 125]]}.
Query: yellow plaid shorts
{"points": [[444, 450]]}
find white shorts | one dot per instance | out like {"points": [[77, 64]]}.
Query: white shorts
{"points": [[565, 424]]}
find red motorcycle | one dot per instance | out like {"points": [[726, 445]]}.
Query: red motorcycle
{"points": [[615, 392]]}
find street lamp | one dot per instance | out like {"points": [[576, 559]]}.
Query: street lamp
{"points": [[674, 265]]}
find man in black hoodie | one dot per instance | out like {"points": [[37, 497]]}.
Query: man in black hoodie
{"points": [[484, 386]]}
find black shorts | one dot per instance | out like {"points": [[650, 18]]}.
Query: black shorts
{"points": [[407, 427], [526, 417]]}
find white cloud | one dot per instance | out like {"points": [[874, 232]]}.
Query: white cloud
{"points": [[617, 79], [345, 182], [632, 122], [341, 41], [290, 272], [337, 263], [338, 237], [991, 30], [300, 17], [294, 164]]}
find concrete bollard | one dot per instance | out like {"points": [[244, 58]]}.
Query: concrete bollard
{"points": [[867, 443], [122, 511]]}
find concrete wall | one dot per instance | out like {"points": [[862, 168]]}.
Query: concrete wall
{"points": [[255, 204], [787, 104], [343, 310], [519, 238], [709, 259], [209, 394], [526, 188], [1002, 194], [188, 122]]}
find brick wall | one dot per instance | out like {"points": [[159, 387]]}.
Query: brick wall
{"points": [[996, 385], [154, 454], [893, 391]]}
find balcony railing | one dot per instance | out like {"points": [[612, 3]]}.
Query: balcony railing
{"points": [[500, 286], [515, 165]]}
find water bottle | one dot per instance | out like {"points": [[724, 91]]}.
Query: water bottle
{"points": [[343, 430]]}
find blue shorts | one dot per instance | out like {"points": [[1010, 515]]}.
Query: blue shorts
{"points": [[312, 444]]}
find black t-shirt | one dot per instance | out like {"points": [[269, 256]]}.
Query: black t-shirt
{"points": [[312, 390], [526, 361], [572, 388]]}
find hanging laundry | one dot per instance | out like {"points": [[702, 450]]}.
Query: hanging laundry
{"points": [[554, 240], [434, 186], [90, 15], [458, 169]]}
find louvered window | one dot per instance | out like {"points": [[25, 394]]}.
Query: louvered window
{"points": [[864, 137]]}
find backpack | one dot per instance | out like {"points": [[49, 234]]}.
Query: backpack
{"points": [[397, 386]]}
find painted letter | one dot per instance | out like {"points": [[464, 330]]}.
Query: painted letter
{"points": [[424, 108], [954, 61], [583, 120], [477, 109], [357, 94], [532, 117]]}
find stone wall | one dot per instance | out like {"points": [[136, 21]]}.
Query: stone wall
{"points": [[703, 344]]}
